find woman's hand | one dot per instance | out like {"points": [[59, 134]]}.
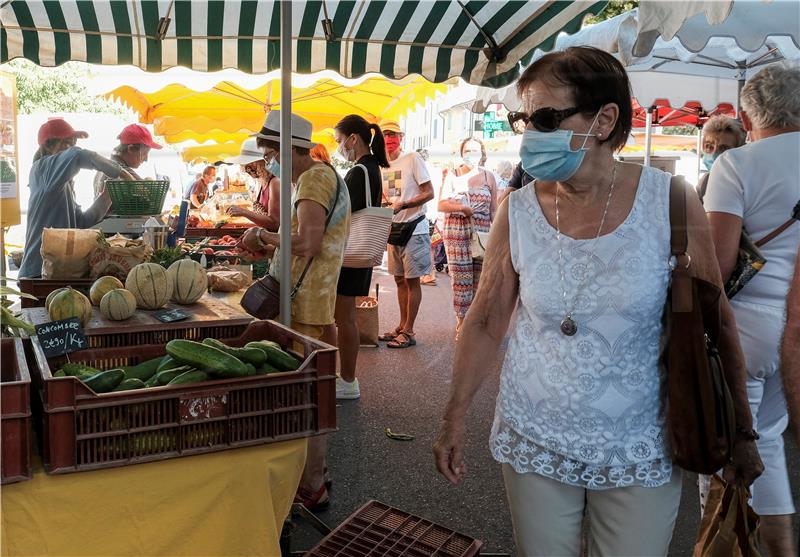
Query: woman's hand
{"points": [[448, 451], [745, 463], [250, 243], [236, 211], [467, 211]]}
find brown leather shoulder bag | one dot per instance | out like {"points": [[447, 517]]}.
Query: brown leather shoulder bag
{"points": [[700, 414]]}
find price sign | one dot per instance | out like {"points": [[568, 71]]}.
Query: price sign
{"points": [[61, 337], [171, 315]]}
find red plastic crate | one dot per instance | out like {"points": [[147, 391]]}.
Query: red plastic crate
{"points": [[376, 529], [83, 430], [15, 412]]}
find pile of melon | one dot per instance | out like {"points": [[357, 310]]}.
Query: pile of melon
{"points": [[148, 286]]}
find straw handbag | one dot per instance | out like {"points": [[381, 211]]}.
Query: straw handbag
{"points": [[369, 231]]}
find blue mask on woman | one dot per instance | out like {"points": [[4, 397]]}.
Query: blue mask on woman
{"points": [[708, 160], [274, 168], [548, 156]]}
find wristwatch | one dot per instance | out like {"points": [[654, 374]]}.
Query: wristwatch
{"points": [[748, 434], [261, 243]]}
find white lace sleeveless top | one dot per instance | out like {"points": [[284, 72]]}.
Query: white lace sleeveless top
{"points": [[584, 410]]}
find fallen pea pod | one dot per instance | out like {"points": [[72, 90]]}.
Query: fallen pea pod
{"points": [[399, 436]]}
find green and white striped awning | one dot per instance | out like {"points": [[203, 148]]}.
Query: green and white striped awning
{"points": [[480, 41]]}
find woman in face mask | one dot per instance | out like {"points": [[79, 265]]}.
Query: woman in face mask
{"points": [[468, 198], [361, 143], [720, 133], [581, 260]]}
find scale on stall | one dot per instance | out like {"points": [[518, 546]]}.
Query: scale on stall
{"points": [[132, 203]]}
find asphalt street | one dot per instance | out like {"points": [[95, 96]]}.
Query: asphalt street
{"points": [[406, 390]]}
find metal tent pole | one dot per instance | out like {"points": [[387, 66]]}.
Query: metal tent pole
{"points": [[699, 150], [648, 135], [286, 162]]}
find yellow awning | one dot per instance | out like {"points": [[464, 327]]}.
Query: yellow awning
{"points": [[228, 112], [212, 152]]}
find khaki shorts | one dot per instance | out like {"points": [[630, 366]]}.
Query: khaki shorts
{"points": [[412, 260]]}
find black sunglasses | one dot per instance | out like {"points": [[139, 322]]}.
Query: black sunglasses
{"points": [[545, 119]]}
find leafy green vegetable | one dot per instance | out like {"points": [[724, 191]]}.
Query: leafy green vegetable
{"points": [[167, 256]]}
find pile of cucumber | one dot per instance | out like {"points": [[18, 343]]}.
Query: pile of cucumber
{"points": [[187, 361]]}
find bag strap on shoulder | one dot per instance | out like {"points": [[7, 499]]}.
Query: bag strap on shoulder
{"points": [[327, 222], [681, 287], [367, 188], [778, 231]]}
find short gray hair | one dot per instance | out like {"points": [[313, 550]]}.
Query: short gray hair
{"points": [[771, 97]]}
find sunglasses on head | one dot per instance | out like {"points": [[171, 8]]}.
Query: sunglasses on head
{"points": [[545, 119]]}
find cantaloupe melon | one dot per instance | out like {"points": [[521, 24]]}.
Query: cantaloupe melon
{"points": [[70, 303], [189, 281], [118, 304], [150, 285], [102, 286], [52, 295]]}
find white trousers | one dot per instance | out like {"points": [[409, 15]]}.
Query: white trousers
{"points": [[760, 330], [623, 521]]}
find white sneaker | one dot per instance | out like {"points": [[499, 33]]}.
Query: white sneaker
{"points": [[346, 390]]}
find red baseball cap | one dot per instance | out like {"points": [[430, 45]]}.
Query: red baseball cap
{"points": [[137, 135], [58, 128]]}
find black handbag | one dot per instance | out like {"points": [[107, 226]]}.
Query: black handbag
{"points": [[402, 231], [262, 299]]}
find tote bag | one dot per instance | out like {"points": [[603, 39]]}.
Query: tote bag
{"points": [[369, 232]]}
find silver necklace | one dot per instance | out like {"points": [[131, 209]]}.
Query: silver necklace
{"points": [[568, 325]]}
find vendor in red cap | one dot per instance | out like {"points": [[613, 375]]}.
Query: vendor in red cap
{"points": [[52, 197], [134, 147]]}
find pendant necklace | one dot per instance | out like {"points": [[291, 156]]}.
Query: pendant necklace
{"points": [[568, 325]]}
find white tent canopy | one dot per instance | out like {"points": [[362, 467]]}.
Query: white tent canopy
{"points": [[710, 75]]}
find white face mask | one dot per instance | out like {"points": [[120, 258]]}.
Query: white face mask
{"points": [[346, 153], [471, 158]]}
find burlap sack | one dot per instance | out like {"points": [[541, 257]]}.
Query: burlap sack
{"points": [[116, 256], [65, 252]]}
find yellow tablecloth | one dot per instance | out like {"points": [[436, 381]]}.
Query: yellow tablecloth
{"points": [[227, 503]]}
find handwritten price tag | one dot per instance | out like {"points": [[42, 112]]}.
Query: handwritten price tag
{"points": [[61, 337]]}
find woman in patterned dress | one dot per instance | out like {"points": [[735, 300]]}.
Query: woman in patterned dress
{"points": [[468, 198], [266, 206], [581, 261]]}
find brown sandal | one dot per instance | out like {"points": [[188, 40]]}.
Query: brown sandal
{"points": [[407, 340], [390, 336]]}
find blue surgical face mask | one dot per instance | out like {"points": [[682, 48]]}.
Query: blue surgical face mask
{"points": [[708, 160], [274, 168], [548, 156]]}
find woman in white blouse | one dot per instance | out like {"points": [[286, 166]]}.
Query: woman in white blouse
{"points": [[583, 258], [756, 187]]}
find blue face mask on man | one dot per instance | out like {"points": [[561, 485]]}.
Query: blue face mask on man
{"points": [[548, 156], [708, 160], [274, 168]]}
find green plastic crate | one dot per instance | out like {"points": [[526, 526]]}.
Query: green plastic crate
{"points": [[137, 197]]}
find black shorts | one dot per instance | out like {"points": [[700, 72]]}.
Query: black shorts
{"points": [[354, 282]]}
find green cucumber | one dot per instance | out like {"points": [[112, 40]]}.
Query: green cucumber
{"points": [[167, 375], [167, 362], [105, 381], [144, 370], [73, 369], [129, 384], [266, 369], [278, 358], [193, 376], [253, 356], [206, 358]]}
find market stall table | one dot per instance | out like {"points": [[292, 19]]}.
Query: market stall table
{"points": [[228, 503]]}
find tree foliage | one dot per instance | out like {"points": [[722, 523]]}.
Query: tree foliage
{"points": [[60, 89], [612, 9]]}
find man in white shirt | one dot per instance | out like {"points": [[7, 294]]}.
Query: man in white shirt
{"points": [[407, 188]]}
